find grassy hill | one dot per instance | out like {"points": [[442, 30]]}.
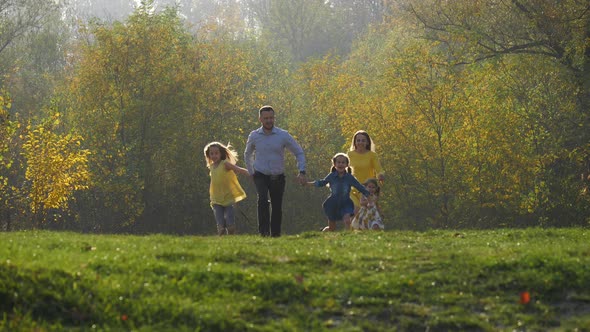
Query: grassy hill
{"points": [[507, 280]]}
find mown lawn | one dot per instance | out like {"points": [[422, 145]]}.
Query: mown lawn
{"points": [[471, 280]]}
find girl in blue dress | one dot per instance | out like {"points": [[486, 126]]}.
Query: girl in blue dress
{"points": [[338, 206]]}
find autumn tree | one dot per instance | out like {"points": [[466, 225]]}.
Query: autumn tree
{"points": [[6, 134], [28, 64], [148, 97], [555, 32], [56, 168], [544, 99], [125, 94], [455, 144]]}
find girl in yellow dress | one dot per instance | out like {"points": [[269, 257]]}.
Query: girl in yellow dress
{"points": [[364, 163], [225, 189]]}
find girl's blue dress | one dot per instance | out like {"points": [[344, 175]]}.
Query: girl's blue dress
{"points": [[338, 204]]}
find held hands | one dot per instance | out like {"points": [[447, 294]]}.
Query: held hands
{"points": [[302, 179]]}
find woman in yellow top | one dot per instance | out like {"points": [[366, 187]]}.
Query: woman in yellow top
{"points": [[364, 163], [225, 189]]}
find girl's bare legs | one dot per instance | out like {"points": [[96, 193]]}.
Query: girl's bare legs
{"points": [[331, 226], [347, 222]]}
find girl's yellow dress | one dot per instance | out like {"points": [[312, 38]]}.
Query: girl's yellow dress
{"points": [[225, 189], [364, 166]]}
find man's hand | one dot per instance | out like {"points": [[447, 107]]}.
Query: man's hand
{"points": [[302, 179]]}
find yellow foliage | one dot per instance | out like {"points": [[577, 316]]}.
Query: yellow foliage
{"points": [[56, 167]]}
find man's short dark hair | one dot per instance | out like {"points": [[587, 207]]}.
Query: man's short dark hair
{"points": [[265, 108]]}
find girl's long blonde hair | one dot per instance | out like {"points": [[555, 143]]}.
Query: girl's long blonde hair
{"points": [[225, 151]]}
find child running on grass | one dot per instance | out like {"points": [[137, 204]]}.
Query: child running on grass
{"points": [[225, 189], [338, 206], [369, 215]]}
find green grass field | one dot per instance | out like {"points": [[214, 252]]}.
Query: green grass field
{"points": [[372, 281]]}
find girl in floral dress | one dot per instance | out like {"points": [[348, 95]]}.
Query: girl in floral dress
{"points": [[369, 215]]}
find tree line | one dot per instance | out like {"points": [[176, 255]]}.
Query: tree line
{"points": [[479, 110]]}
